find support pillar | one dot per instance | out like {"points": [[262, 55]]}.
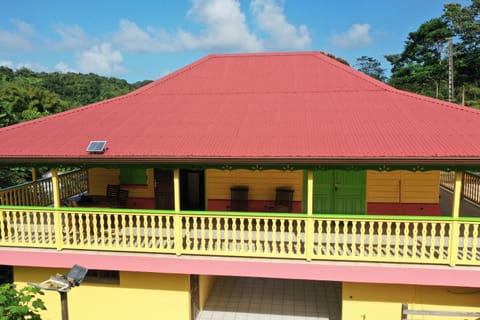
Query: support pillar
{"points": [[309, 228], [456, 205]]}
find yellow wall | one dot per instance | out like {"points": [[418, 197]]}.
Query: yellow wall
{"points": [[99, 178], [416, 187], [261, 184], [384, 301], [138, 296], [206, 284]]}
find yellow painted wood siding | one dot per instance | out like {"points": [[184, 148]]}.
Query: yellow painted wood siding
{"points": [[99, 178], [403, 186], [384, 301], [261, 184], [138, 296]]}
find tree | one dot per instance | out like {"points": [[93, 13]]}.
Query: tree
{"points": [[21, 303], [422, 66], [372, 67]]}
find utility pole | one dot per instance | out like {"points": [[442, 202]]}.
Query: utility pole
{"points": [[450, 69]]}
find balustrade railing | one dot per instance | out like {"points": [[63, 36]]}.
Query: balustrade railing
{"points": [[40, 192], [471, 184], [439, 240]]}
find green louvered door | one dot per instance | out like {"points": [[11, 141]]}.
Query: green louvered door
{"points": [[339, 191]]}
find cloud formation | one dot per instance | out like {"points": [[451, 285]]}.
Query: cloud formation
{"points": [[72, 37], [101, 59], [224, 28], [18, 39], [357, 36], [271, 19]]}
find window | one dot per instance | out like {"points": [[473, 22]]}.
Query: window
{"points": [[6, 274], [102, 276], [129, 175]]}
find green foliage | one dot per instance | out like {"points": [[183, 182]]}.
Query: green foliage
{"points": [[24, 303], [27, 95], [422, 67], [371, 67]]}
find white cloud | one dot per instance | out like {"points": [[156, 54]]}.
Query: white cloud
{"points": [[101, 59], [225, 28], [270, 18], [72, 37], [132, 38], [19, 39], [34, 66], [23, 27], [63, 67], [356, 37], [6, 63], [29, 65]]}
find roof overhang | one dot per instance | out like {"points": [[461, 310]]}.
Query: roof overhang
{"points": [[257, 163]]}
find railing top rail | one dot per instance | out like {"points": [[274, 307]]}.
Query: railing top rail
{"points": [[38, 180], [248, 214], [472, 173]]}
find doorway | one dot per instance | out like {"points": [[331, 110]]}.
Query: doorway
{"points": [[339, 191], [192, 189], [164, 193]]}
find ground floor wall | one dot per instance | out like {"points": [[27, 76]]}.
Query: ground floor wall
{"points": [[138, 295], [206, 285], [384, 301]]}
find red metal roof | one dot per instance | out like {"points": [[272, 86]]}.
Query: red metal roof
{"points": [[288, 107]]}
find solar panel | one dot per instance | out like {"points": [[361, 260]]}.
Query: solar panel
{"points": [[96, 146]]}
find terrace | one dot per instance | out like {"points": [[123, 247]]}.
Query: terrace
{"points": [[28, 220]]}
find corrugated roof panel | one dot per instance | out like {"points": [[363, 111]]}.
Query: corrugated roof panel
{"points": [[287, 105]]}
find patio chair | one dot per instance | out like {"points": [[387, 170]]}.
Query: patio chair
{"points": [[283, 200], [238, 198]]}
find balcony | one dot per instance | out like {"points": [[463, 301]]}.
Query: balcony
{"points": [[397, 239]]}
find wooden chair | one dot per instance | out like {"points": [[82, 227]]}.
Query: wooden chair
{"points": [[283, 200], [238, 198]]}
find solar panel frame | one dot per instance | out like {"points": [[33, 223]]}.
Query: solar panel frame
{"points": [[96, 146]]}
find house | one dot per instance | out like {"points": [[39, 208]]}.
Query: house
{"points": [[275, 165]]}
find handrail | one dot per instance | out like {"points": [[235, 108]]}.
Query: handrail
{"points": [[471, 184], [396, 239], [40, 192]]}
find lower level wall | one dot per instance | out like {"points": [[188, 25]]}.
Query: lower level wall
{"points": [[206, 284], [384, 301], [138, 296]]}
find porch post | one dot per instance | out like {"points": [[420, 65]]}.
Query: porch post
{"points": [[309, 230], [56, 189], [56, 204], [454, 233], [177, 219], [35, 189], [310, 192]]}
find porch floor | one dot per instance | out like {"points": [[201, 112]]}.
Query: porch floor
{"points": [[239, 298], [467, 208]]}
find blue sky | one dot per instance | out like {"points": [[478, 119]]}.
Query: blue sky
{"points": [[138, 40]]}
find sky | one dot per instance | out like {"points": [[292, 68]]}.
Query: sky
{"points": [[147, 39]]}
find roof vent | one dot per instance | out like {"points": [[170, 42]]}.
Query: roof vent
{"points": [[96, 147]]}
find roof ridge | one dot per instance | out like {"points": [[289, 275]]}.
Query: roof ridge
{"points": [[392, 89], [351, 70], [170, 76]]}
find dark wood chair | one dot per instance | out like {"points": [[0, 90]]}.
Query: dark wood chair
{"points": [[238, 198], [283, 200]]}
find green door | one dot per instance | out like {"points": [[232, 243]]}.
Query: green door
{"points": [[339, 191]]}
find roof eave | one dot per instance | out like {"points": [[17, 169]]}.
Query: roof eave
{"points": [[381, 163]]}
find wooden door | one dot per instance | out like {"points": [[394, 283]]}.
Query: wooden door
{"points": [[339, 191], [192, 189], [164, 197]]}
